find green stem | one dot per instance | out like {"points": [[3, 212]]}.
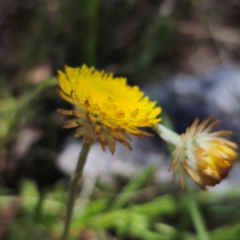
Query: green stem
{"points": [[167, 134], [197, 217], [74, 187]]}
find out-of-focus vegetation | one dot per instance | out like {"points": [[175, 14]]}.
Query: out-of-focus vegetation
{"points": [[143, 40], [126, 215]]}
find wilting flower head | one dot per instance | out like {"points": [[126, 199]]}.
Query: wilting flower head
{"points": [[205, 156], [106, 107]]}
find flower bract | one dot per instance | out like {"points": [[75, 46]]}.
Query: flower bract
{"points": [[106, 108], [204, 155]]}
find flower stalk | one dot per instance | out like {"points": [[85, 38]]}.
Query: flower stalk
{"points": [[166, 134], [74, 187], [196, 217]]}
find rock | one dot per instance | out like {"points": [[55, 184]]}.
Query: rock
{"points": [[215, 93]]}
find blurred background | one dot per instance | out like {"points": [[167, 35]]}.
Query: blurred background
{"points": [[184, 54]]}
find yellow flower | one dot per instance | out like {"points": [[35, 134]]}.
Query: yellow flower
{"points": [[205, 156], [106, 107]]}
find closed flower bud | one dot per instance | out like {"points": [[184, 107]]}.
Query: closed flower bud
{"points": [[204, 155]]}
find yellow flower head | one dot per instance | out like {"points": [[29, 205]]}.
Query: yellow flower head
{"points": [[205, 156], [106, 107]]}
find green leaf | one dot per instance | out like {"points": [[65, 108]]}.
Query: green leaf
{"points": [[29, 189], [162, 205], [29, 193], [135, 184]]}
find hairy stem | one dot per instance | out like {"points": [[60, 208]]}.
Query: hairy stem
{"points": [[74, 187], [166, 134]]}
